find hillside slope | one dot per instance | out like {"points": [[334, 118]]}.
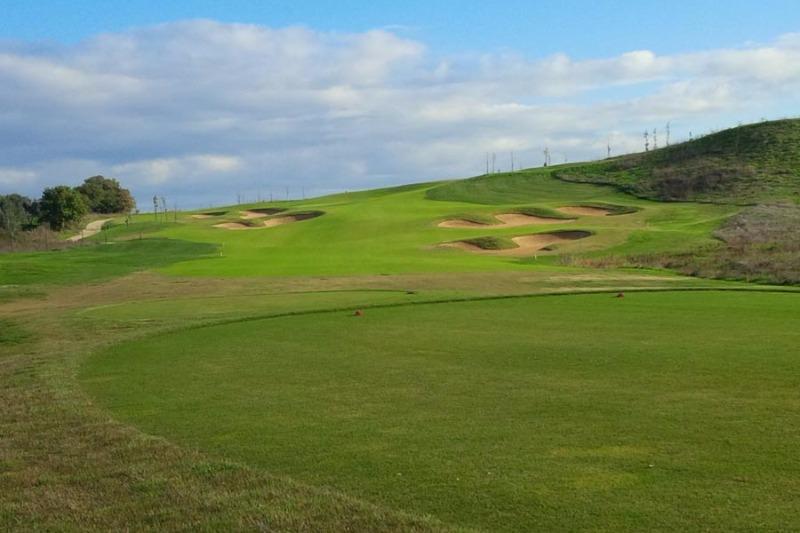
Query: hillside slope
{"points": [[746, 164]]}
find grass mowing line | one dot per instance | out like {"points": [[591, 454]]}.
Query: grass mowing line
{"points": [[82, 264], [467, 299], [249, 295]]}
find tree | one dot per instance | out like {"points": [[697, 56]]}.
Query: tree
{"points": [[17, 212], [62, 205], [106, 195]]}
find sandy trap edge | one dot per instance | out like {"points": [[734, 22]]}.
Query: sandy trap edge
{"points": [[278, 220], [526, 244]]}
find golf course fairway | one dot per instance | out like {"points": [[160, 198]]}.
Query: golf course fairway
{"points": [[652, 411]]}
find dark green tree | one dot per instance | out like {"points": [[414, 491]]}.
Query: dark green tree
{"points": [[106, 195], [17, 213], [61, 206]]}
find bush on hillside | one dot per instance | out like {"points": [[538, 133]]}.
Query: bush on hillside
{"points": [[759, 244]]}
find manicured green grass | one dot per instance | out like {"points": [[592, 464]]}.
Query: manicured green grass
{"points": [[97, 261], [656, 411], [542, 212], [394, 231], [525, 186]]}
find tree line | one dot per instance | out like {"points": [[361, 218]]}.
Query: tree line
{"points": [[62, 206]]}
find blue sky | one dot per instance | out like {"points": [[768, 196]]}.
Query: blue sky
{"points": [[579, 28], [201, 101]]}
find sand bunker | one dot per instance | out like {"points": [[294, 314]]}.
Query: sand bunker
{"points": [[260, 213], [252, 214], [584, 211], [288, 219], [202, 216], [526, 244], [507, 220], [272, 222], [279, 221], [519, 219], [235, 226]]}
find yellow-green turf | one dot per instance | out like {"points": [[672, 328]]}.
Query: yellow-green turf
{"points": [[392, 231], [656, 411]]}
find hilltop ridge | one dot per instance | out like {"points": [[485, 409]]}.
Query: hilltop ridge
{"points": [[746, 164]]}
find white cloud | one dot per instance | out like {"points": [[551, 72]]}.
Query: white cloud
{"points": [[11, 177], [196, 109], [187, 170]]}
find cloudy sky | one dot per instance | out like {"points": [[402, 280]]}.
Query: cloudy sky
{"points": [[202, 103]]}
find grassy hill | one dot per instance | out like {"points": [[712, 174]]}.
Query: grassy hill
{"points": [[746, 164]]}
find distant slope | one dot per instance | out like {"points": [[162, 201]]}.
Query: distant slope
{"points": [[747, 164], [525, 186]]}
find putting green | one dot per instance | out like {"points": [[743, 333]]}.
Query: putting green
{"points": [[657, 411]]}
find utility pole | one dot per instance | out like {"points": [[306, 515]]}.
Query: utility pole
{"points": [[487, 162], [608, 147], [668, 133], [512, 161], [546, 156], [646, 141], [655, 139], [494, 159]]}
